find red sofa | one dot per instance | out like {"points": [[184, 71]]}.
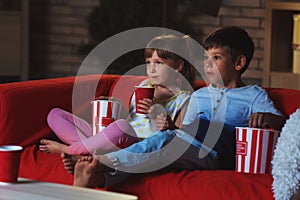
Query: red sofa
{"points": [[25, 105]]}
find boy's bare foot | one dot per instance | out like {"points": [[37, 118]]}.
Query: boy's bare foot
{"points": [[69, 161], [87, 173], [50, 146]]}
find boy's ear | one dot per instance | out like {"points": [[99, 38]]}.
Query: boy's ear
{"points": [[240, 62]]}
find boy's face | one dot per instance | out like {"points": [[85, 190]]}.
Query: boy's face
{"points": [[219, 67], [161, 71]]}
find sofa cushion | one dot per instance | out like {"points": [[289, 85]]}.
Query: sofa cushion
{"points": [[24, 105], [199, 184], [286, 100], [124, 87], [41, 166]]}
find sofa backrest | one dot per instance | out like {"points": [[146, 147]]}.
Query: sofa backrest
{"points": [[24, 105], [287, 101], [124, 87]]}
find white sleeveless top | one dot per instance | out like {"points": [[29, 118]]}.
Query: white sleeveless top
{"points": [[142, 124]]}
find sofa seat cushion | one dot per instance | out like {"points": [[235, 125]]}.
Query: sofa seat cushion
{"points": [[205, 184], [164, 184], [41, 166]]}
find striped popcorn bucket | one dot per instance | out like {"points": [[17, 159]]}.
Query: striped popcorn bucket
{"points": [[105, 110], [254, 149]]}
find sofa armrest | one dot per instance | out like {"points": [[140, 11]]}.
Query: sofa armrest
{"points": [[24, 105]]}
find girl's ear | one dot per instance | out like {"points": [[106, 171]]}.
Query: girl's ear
{"points": [[240, 62], [180, 64]]}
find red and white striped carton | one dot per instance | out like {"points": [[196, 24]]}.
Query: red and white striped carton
{"points": [[254, 149], [104, 111]]}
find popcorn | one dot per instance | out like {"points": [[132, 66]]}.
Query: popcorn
{"points": [[104, 112]]}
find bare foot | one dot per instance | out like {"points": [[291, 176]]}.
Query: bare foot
{"points": [[50, 146], [69, 161], [87, 173]]}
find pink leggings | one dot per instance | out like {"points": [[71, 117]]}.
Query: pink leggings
{"points": [[77, 133]]}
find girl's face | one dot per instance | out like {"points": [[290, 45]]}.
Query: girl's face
{"points": [[219, 67], [163, 71]]}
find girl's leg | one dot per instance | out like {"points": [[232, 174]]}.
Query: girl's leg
{"points": [[77, 133], [68, 127], [118, 134]]}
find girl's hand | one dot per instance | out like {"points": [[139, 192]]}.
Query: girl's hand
{"points": [[162, 122], [144, 105]]}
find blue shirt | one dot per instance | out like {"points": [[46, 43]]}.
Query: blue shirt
{"points": [[228, 105]]}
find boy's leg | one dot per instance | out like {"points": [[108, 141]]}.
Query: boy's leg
{"points": [[154, 153], [161, 150], [86, 173], [89, 172], [197, 156], [218, 136], [144, 156]]}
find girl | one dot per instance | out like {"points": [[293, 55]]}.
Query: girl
{"points": [[169, 73]]}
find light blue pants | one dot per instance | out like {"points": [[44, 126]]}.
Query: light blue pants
{"points": [[176, 148]]}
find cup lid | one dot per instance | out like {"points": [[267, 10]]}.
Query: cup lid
{"points": [[107, 98], [10, 148], [144, 86]]}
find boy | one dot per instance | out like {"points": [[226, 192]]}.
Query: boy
{"points": [[211, 117]]}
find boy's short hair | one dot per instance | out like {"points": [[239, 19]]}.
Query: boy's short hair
{"points": [[236, 39]]}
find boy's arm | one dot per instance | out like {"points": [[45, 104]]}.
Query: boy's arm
{"points": [[267, 120], [264, 113]]}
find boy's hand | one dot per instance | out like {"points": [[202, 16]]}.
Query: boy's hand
{"points": [[259, 120]]}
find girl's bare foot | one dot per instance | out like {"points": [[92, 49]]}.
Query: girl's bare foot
{"points": [[69, 161], [50, 146], [87, 173]]}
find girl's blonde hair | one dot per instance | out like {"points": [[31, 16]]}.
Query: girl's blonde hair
{"points": [[175, 48]]}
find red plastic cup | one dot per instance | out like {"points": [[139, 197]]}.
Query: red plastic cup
{"points": [[254, 149], [10, 161], [141, 93]]}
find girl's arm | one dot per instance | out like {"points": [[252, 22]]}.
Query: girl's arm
{"points": [[163, 122], [180, 115]]}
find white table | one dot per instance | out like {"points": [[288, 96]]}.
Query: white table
{"points": [[36, 190]]}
